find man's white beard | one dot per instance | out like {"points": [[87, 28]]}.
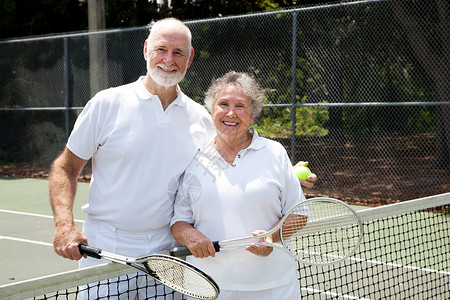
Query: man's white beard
{"points": [[162, 78]]}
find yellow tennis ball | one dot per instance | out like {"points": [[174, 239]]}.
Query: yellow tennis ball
{"points": [[302, 172]]}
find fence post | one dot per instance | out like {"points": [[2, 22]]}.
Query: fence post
{"points": [[66, 87], [294, 82]]}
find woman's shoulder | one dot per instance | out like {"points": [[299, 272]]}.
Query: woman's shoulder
{"points": [[270, 143]]}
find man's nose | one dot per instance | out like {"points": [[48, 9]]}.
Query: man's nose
{"points": [[168, 58]]}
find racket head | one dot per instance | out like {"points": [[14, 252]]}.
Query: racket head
{"points": [[332, 232], [180, 276]]}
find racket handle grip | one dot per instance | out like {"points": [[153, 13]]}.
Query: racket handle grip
{"points": [[90, 251], [216, 246], [184, 251], [180, 251]]}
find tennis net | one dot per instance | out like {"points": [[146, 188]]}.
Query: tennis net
{"points": [[404, 254]]}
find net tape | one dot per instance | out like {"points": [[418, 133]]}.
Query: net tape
{"points": [[404, 255]]}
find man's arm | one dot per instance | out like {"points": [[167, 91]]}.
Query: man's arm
{"points": [[62, 187]]}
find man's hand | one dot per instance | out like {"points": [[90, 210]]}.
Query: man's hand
{"points": [[309, 182], [62, 189], [66, 241]]}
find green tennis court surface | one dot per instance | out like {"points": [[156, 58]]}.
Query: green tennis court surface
{"points": [[26, 230], [404, 253]]}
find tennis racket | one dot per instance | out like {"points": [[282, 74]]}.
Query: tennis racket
{"points": [[315, 231], [175, 273]]}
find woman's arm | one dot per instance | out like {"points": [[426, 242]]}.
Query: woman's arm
{"points": [[199, 245]]}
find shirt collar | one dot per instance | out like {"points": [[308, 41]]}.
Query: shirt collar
{"points": [[144, 94], [256, 144]]}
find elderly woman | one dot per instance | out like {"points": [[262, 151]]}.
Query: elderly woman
{"points": [[239, 184]]}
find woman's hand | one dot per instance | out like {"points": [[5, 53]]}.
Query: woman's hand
{"points": [[260, 250], [310, 180], [199, 245]]}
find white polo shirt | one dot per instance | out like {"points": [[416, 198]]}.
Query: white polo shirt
{"points": [[138, 152], [226, 202]]}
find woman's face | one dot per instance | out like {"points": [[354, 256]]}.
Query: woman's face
{"points": [[232, 113]]}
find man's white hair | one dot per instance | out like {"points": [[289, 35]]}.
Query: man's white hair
{"points": [[172, 21]]}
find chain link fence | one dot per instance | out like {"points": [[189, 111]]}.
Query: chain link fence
{"points": [[358, 89]]}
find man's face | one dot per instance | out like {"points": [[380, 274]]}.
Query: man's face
{"points": [[168, 56]]}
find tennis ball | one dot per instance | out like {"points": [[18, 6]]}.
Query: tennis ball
{"points": [[302, 172]]}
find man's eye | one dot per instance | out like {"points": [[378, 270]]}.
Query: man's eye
{"points": [[177, 53]]}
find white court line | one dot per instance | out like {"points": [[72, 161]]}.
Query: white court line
{"points": [[32, 215], [399, 266], [333, 294], [25, 241], [344, 296]]}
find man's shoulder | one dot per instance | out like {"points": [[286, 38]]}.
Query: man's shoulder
{"points": [[194, 106], [188, 100], [113, 95], [125, 88]]}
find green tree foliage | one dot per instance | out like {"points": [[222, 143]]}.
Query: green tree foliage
{"points": [[309, 122], [200, 9], [20, 18], [130, 13], [23, 18]]}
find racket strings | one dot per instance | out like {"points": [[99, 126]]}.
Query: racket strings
{"points": [[182, 278], [325, 246], [293, 224], [330, 233]]}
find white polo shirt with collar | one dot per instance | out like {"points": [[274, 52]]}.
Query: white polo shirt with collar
{"points": [[226, 201], [138, 153]]}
